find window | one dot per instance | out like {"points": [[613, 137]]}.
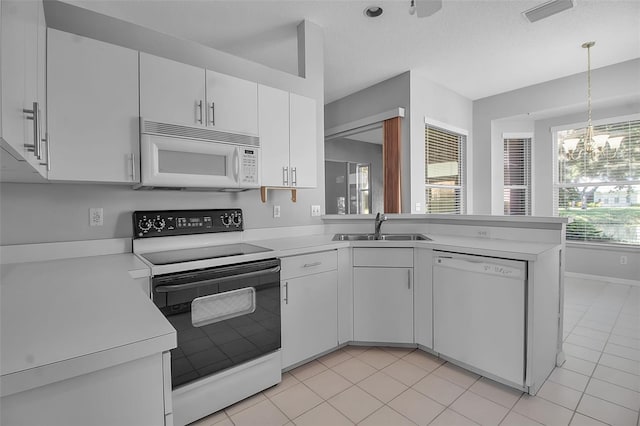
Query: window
{"points": [[517, 176], [599, 186], [444, 171]]}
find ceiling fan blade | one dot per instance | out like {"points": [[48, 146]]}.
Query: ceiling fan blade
{"points": [[426, 8]]}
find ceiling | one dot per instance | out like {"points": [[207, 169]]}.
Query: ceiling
{"points": [[476, 48]]}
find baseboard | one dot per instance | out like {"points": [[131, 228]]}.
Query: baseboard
{"points": [[602, 278]]}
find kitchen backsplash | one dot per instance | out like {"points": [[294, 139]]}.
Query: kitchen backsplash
{"points": [[36, 213]]}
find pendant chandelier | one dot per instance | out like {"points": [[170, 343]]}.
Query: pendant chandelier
{"points": [[590, 144]]}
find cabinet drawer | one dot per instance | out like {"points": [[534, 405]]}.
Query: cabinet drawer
{"points": [[382, 257], [306, 264]]}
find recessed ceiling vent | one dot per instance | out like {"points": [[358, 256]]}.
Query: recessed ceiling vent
{"points": [[547, 9]]}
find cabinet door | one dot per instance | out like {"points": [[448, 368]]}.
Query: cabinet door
{"points": [[423, 297], [232, 103], [41, 89], [383, 305], [93, 114], [171, 92], [273, 107], [19, 73], [302, 141], [309, 316]]}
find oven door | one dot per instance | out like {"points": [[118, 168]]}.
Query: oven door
{"points": [[187, 163], [223, 316]]}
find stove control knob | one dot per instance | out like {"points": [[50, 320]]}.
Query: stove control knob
{"points": [[144, 224], [158, 224], [237, 219], [226, 220]]}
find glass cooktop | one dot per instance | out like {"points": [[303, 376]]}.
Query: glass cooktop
{"points": [[201, 253]]}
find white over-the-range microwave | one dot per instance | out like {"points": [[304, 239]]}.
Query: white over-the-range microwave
{"points": [[175, 156]]}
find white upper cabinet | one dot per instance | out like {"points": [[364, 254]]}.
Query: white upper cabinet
{"points": [[23, 74], [302, 141], [232, 103], [287, 126], [173, 92], [93, 110], [273, 106]]}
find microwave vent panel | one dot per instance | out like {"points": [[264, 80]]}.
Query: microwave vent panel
{"points": [[199, 133]]}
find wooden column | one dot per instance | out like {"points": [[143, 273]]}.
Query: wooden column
{"points": [[391, 163]]}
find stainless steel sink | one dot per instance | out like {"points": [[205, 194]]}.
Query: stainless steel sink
{"points": [[352, 237], [404, 237], [384, 237]]}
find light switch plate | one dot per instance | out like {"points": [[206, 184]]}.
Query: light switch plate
{"points": [[315, 210], [276, 211]]}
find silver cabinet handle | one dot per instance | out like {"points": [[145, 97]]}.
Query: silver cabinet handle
{"points": [[213, 113], [35, 148], [133, 167], [199, 113], [286, 293], [48, 163], [294, 177], [285, 176], [39, 133], [310, 265], [409, 279]]}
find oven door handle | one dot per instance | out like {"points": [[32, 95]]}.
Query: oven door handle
{"points": [[178, 287]]}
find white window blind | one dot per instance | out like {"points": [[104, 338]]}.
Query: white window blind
{"points": [[444, 171], [600, 188], [517, 176]]}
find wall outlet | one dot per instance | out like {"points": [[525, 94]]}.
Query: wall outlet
{"points": [[315, 210], [276, 211], [418, 207], [623, 260], [482, 233], [96, 216]]}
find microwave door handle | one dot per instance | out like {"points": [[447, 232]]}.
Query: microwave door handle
{"points": [[170, 288], [236, 165]]}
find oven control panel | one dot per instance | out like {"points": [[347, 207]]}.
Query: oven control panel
{"points": [[185, 222]]}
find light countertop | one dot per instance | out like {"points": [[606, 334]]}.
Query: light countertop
{"points": [[519, 250], [54, 312]]}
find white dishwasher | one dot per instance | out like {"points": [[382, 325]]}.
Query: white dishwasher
{"points": [[479, 313]]}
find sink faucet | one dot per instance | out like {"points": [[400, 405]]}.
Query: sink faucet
{"points": [[380, 217]]}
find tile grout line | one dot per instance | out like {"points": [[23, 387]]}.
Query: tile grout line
{"points": [[597, 363]]}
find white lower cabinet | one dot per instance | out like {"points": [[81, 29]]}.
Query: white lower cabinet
{"points": [[383, 295], [133, 393], [423, 297], [309, 291]]}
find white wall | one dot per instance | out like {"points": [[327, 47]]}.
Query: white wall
{"points": [[32, 213], [612, 85], [421, 98], [381, 97], [433, 101], [615, 92]]}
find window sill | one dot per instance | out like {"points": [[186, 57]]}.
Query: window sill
{"points": [[602, 246]]}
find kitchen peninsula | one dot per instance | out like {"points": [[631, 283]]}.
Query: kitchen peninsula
{"points": [[43, 345]]}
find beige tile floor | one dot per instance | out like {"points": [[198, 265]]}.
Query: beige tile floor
{"points": [[599, 383]]}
